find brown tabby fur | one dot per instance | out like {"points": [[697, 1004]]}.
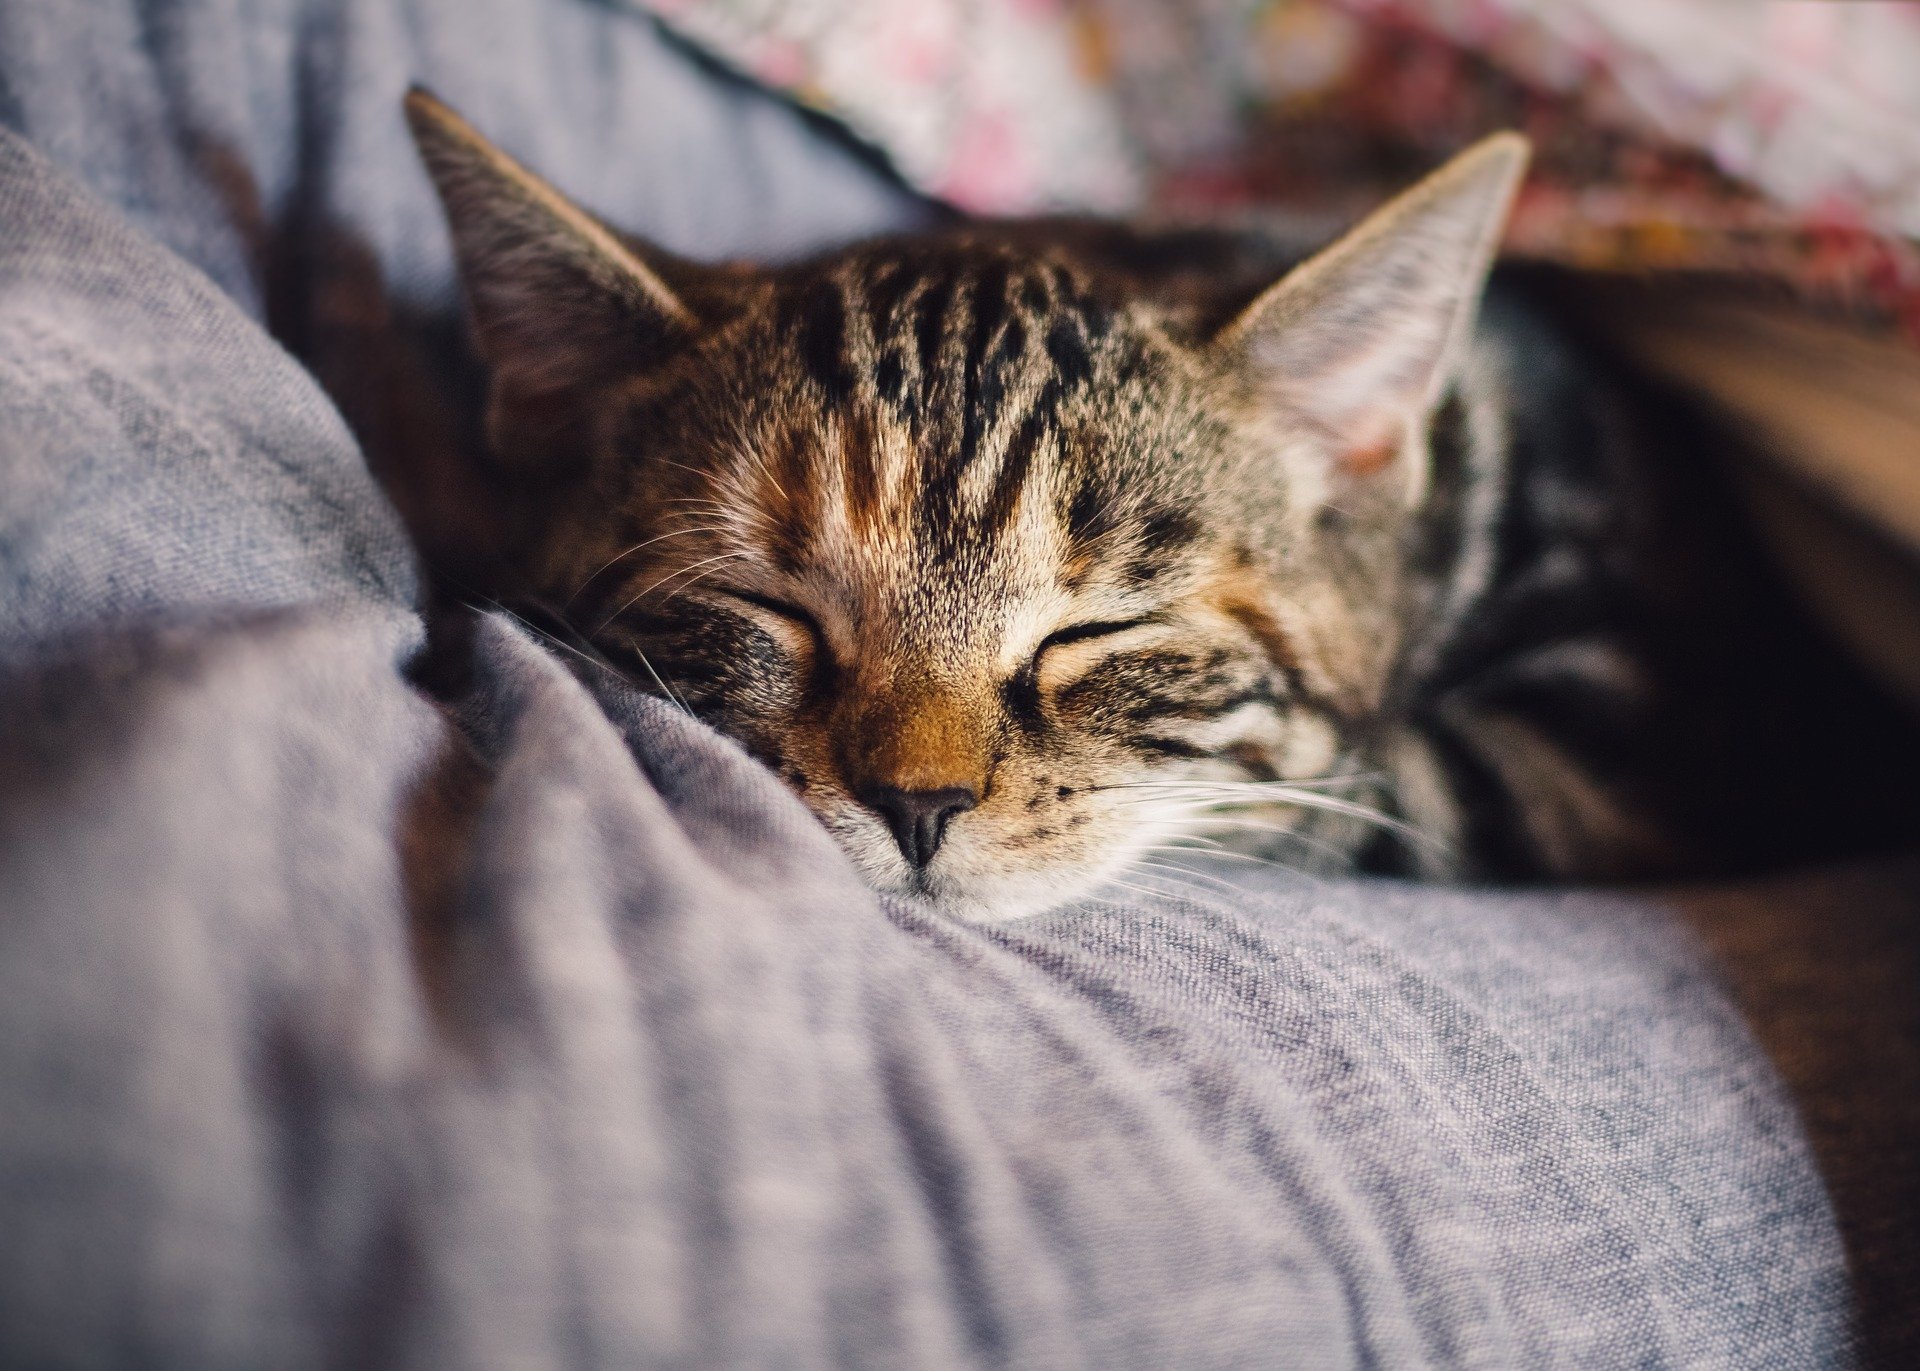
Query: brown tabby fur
{"points": [[1081, 561]]}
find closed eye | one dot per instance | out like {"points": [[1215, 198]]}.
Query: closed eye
{"points": [[780, 609], [1080, 633]]}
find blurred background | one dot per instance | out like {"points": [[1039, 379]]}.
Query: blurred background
{"points": [[1708, 135]]}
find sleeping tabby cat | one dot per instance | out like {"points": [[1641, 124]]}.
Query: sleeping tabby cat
{"points": [[1023, 552]]}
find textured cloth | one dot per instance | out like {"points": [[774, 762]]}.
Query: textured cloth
{"points": [[362, 1010]]}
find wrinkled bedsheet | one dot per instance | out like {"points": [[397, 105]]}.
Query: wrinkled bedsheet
{"points": [[355, 1015]]}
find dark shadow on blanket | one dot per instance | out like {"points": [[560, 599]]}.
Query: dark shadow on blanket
{"points": [[1826, 970], [406, 381], [407, 384]]}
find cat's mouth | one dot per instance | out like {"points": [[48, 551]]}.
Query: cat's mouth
{"points": [[972, 898], [992, 874], [979, 876]]}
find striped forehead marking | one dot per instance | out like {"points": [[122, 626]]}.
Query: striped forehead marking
{"points": [[971, 351]]}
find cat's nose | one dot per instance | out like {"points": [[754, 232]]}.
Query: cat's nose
{"points": [[918, 818]]}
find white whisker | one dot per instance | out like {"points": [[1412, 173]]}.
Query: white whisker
{"points": [[691, 566], [1330, 778], [688, 585], [621, 557], [1212, 848], [1137, 889], [682, 466], [593, 658], [1226, 795], [1172, 870], [1338, 855]]}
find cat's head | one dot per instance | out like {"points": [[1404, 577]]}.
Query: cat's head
{"points": [[1009, 561]]}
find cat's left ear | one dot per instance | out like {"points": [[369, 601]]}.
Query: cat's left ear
{"points": [[1362, 340], [558, 299]]}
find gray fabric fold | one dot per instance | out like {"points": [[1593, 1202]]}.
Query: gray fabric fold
{"points": [[334, 1035], [161, 457]]}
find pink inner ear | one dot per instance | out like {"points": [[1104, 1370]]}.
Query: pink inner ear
{"points": [[1373, 455], [1367, 461]]}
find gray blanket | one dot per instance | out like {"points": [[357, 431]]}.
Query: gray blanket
{"points": [[521, 1021]]}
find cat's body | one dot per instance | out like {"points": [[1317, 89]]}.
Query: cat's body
{"points": [[1024, 551]]}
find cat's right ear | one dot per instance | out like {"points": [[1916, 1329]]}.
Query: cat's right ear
{"points": [[1362, 340], [558, 299]]}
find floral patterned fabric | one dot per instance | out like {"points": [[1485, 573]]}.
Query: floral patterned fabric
{"points": [[1777, 139], [985, 103]]}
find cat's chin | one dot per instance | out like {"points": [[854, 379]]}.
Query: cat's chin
{"points": [[1002, 902]]}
